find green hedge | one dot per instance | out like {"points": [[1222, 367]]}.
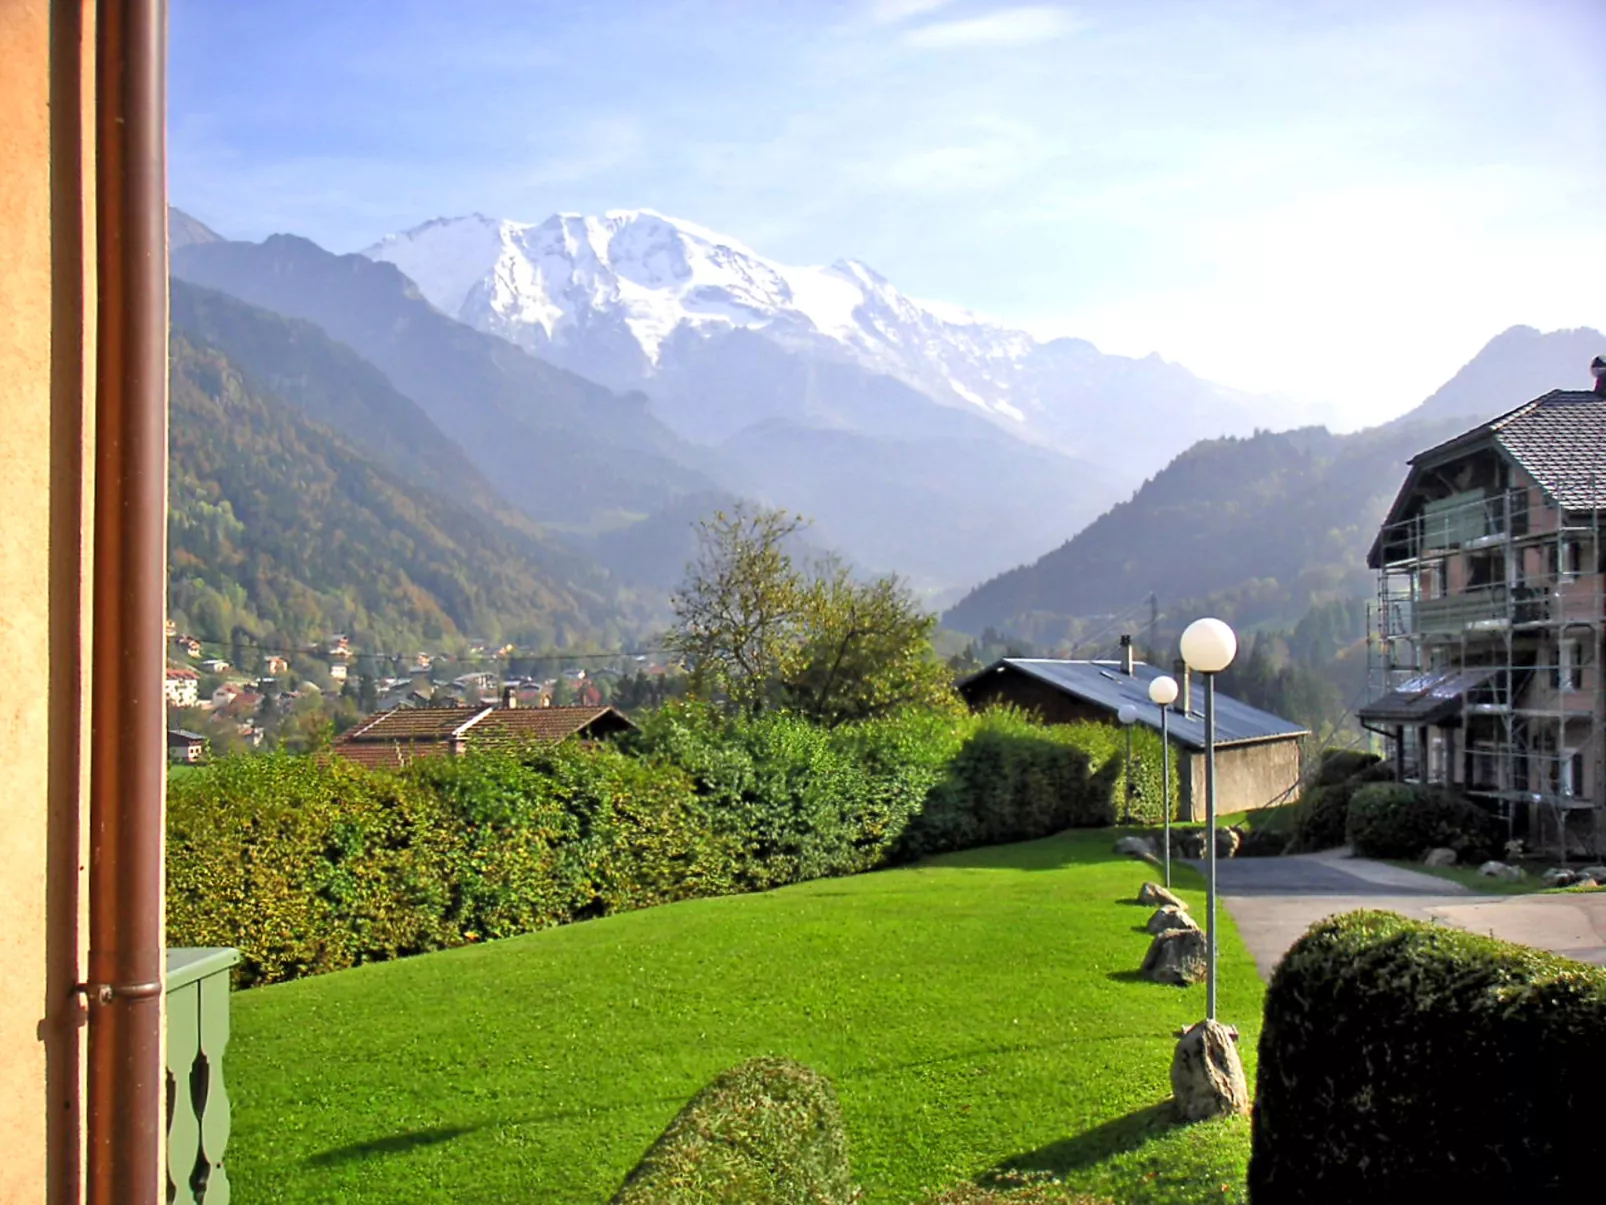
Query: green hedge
{"points": [[1340, 765], [1405, 820], [1403, 1061], [311, 865], [768, 1132]]}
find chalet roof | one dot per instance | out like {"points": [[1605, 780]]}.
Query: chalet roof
{"points": [[1102, 684], [392, 738], [183, 736]]}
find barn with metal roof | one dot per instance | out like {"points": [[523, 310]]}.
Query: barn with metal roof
{"points": [[1258, 755]]}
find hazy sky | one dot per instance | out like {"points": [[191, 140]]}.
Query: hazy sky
{"points": [[1337, 201]]}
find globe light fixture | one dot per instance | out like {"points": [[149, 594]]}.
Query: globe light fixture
{"points": [[1163, 693], [1208, 646], [1127, 715]]}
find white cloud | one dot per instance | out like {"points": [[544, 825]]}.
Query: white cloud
{"points": [[890, 12], [1005, 27]]}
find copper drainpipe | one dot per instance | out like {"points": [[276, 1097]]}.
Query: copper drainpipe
{"points": [[127, 1099]]}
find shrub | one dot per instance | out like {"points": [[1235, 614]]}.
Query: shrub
{"points": [[1264, 843], [1322, 817], [1339, 765], [1406, 1061], [768, 1132], [304, 866], [1403, 820]]}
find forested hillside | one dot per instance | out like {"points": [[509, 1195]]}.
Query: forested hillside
{"points": [[279, 526], [1266, 525]]}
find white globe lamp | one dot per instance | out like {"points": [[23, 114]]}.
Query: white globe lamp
{"points": [[1128, 714], [1163, 690], [1163, 693], [1208, 646]]}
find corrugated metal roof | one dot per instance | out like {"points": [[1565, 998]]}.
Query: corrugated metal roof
{"points": [[393, 738], [1102, 684], [1426, 698]]}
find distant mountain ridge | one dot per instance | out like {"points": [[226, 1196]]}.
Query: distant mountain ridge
{"points": [[635, 299], [1271, 524]]}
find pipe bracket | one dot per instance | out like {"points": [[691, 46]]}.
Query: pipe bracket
{"points": [[105, 993]]}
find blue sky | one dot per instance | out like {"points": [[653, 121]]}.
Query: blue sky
{"points": [[1337, 201]]}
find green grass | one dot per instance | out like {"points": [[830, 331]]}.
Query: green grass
{"points": [[1275, 819], [978, 1015], [1469, 877]]}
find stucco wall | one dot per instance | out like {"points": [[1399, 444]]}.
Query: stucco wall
{"points": [[44, 344], [1247, 777]]}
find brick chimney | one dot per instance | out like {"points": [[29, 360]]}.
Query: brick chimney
{"points": [[1184, 677], [1126, 655], [1598, 367]]}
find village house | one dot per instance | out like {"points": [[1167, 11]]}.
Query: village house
{"points": [[339, 671], [274, 665], [214, 665], [187, 645], [1490, 618], [391, 739], [181, 687], [184, 747], [1258, 755]]}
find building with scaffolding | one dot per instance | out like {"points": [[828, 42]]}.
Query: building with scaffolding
{"points": [[1486, 642]]}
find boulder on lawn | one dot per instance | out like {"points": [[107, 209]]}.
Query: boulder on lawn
{"points": [[1597, 873], [1138, 847], [1207, 1076], [1511, 874], [1157, 896], [1227, 842], [1439, 857], [1171, 917], [1493, 868], [1176, 957], [1558, 877], [1188, 843], [1585, 880]]}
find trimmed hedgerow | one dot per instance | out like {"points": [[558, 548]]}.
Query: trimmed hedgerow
{"points": [[310, 865], [1405, 820], [767, 1132], [1407, 1061]]}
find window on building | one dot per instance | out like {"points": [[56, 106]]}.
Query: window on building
{"points": [[1572, 773], [1565, 558], [1483, 569], [1568, 673]]}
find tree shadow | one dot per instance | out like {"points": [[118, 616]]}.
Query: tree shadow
{"points": [[393, 1144], [1127, 977], [1101, 1142]]}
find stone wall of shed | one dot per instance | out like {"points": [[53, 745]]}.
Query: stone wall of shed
{"points": [[1247, 777]]}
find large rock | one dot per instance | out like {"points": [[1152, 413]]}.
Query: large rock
{"points": [[1598, 873], [1439, 857], [1171, 917], [1176, 957], [1157, 896], [1556, 876], [1207, 1076], [1512, 874], [1138, 847], [1493, 869], [1188, 843]]}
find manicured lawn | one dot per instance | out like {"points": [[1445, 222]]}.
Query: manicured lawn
{"points": [[1278, 819], [976, 1013]]}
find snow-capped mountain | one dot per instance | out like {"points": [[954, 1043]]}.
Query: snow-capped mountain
{"points": [[635, 299]]}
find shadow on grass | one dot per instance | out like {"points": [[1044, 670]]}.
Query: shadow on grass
{"points": [[1100, 1143], [1127, 977], [393, 1144]]}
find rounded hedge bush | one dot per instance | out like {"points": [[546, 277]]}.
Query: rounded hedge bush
{"points": [[1322, 817], [1405, 1061], [1404, 820], [1338, 765], [767, 1132]]}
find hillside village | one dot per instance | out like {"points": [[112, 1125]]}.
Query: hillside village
{"points": [[658, 717]]}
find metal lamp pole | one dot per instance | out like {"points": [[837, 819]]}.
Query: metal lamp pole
{"points": [[1163, 692], [1208, 646], [1127, 715]]}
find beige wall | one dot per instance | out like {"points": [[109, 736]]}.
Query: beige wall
{"points": [[43, 616], [1247, 777]]}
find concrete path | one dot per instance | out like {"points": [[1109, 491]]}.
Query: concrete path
{"points": [[1274, 900]]}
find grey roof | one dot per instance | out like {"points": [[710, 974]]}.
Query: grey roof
{"points": [[1102, 684], [1426, 699]]}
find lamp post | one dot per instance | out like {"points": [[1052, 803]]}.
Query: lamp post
{"points": [[1163, 693], [1208, 646], [1128, 715]]}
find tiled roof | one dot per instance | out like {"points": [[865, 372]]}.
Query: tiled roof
{"points": [[1561, 440], [1102, 684], [393, 738]]}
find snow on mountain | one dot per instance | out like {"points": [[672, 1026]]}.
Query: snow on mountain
{"points": [[626, 298]]}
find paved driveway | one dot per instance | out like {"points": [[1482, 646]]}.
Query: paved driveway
{"points": [[1274, 900]]}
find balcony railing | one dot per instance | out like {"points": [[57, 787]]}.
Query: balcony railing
{"points": [[197, 1104], [1484, 605]]}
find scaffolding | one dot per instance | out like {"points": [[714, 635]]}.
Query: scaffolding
{"points": [[1490, 612]]}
